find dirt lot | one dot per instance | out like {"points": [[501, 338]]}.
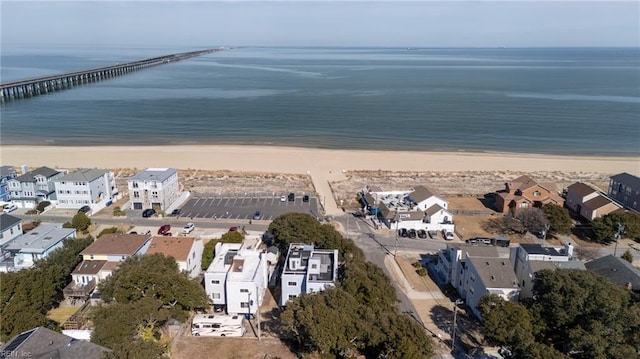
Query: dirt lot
{"points": [[189, 347]]}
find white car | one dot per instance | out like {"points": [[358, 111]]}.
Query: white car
{"points": [[283, 198], [10, 207], [188, 228]]}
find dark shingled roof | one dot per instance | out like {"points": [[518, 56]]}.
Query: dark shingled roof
{"points": [[596, 202], [628, 180], [7, 221], [534, 248], [41, 342], [43, 171], [420, 193], [617, 270], [581, 189]]}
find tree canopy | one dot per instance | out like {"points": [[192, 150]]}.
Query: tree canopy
{"points": [[559, 218], [80, 222], [141, 295], [208, 253], [573, 313], [606, 227], [359, 315]]}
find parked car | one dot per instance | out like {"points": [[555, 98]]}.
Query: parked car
{"points": [[10, 207], [305, 198], [148, 212], [291, 197], [257, 215], [500, 242], [175, 213], [479, 240], [283, 198], [188, 228], [84, 209], [422, 233], [164, 229], [412, 233], [233, 229], [403, 232], [433, 234], [447, 235]]}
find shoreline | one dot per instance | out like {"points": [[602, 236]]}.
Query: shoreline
{"points": [[282, 159]]}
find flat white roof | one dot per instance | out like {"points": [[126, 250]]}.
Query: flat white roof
{"points": [[244, 266], [221, 263], [40, 239]]}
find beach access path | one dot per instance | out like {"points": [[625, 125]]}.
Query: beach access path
{"points": [[323, 165]]}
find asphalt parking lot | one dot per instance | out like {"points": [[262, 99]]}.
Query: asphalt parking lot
{"points": [[245, 205]]}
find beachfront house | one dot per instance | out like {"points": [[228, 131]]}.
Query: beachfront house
{"points": [[307, 270], [588, 202], [10, 228], [34, 245], [85, 187], [624, 188], [100, 258], [155, 188], [485, 276], [186, 251], [523, 192], [6, 173], [32, 187], [237, 278]]}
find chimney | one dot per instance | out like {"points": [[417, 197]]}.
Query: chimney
{"points": [[568, 247], [24, 169]]}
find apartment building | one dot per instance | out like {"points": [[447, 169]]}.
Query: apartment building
{"points": [[32, 187], [85, 187], [625, 189], [6, 173], [307, 270], [155, 188]]}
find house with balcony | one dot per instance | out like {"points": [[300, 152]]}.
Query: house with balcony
{"points": [[155, 188], [589, 202], [523, 192], [85, 187], [528, 259], [415, 209], [452, 263], [6, 173], [99, 260], [307, 270], [10, 228], [624, 188], [33, 187], [486, 276], [186, 251], [35, 245]]}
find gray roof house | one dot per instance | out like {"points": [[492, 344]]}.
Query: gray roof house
{"points": [[6, 173], [155, 188], [85, 187], [624, 188], [32, 187], [489, 276], [44, 343], [10, 228], [616, 270], [36, 244]]}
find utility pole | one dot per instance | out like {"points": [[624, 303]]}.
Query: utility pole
{"points": [[395, 252], [453, 332], [617, 237], [259, 336]]}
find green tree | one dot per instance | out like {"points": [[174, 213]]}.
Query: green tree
{"points": [[208, 253], [42, 205], [295, 228], [81, 222], [559, 218], [532, 219], [505, 323], [232, 237], [627, 256]]}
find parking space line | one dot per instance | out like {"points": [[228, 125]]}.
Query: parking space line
{"points": [[227, 202]]}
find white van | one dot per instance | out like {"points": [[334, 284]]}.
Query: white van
{"points": [[215, 325]]}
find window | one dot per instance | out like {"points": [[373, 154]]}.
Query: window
{"points": [[524, 205], [291, 296], [244, 304], [536, 193], [314, 266], [154, 194], [471, 290], [215, 282], [292, 284], [136, 194], [91, 256], [244, 290], [134, 185], [215, 295]]}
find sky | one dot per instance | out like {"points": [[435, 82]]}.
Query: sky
{"points": [[452, 23]]}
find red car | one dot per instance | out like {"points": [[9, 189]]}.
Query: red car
{"points": [[164, 230], [233, 229]]}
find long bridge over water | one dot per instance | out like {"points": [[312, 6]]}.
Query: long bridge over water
{"points": [[43, 85]]}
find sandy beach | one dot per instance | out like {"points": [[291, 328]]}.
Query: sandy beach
{"points": [[324, 166]]}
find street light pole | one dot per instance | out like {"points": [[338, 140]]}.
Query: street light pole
{"points": [[453, 332]]}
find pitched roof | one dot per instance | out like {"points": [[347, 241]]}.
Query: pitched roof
{"points": [[42, 171], [628, 180], [420, 193], [433, 210], [176, 247], [495, 272], [597, 202], [41, 342], [475, 251], [7, 221], [117, 244], [109, 266], [7, 171], [83, 174], [89, 267], [581, 189], [617, 270], [154, 174]]}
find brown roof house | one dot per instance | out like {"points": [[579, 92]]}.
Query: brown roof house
{"points": [[187, 252], [589, 202], [524, 192], [100, 259]]}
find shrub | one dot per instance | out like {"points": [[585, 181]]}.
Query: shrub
{"points": [[422, 271], [107, 231], [118, 212], [32, 211], [42, 205], [417, 264], [67, 225], [81, 222]]}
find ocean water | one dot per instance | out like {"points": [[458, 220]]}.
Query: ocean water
{"points": [[550, 101]]}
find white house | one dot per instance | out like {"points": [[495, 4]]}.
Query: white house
{"points": [[187, 252], [307, 270], [36, 244], [246, 282], [85, 187], [155, 188], [215, 277], [452, 262], [489, 276], [32, 187], [10, 228]]}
